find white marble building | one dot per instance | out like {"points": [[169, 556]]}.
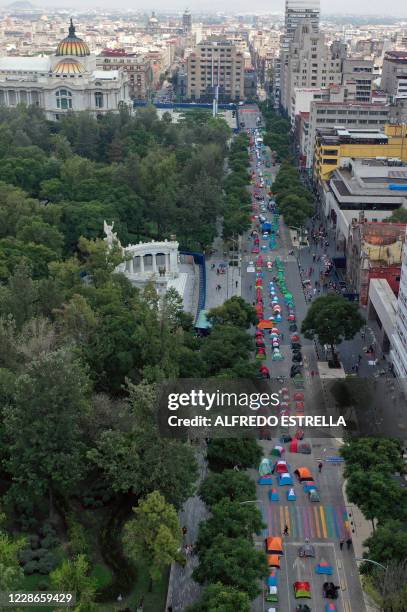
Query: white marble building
{"points": [[63, 82], [156, 262]]}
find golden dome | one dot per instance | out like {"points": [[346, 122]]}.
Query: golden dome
{"points": [[73, 45], [69, 66]]}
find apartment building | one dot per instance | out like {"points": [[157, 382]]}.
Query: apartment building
{"points": [[394, 74], [359, 72], [137, 67], [295, 12], [345, 114], [309, 63], [215, 62]]}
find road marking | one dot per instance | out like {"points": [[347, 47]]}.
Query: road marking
{"points": [[346, 606], [317, 522], [324, 531], [282, 518]]}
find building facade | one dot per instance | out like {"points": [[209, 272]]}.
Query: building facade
{"points": [[215, 63], [399, 339], [336, 145], [360, 73], [66, 81], [137, 67], [394, 74], [346, 114], [309, 64]]}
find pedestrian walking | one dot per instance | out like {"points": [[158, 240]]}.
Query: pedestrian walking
{"points": [[341, 543], [359, 358], [237, 284], [184, 530], [286, 530], [314, 257], [320, 466], [349, 543]]}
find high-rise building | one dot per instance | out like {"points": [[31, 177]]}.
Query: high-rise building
{"points": [[215, 63], [309, 63], [187, 21], [399, 340], [394, 74], [295, 12]]}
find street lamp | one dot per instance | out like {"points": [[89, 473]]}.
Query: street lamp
{"points": [[361, 559]]}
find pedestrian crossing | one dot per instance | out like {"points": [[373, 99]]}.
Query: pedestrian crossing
{"points": [[314, 521]]}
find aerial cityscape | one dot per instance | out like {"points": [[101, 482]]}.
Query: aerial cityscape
{"points": [[203, 307]]}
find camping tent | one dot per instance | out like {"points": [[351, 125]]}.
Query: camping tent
{"points": [[294, 445], [265, 466], [285, 479], [273, 495], [291, 496], [274, 545]]}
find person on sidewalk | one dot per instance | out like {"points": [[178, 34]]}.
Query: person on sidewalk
{"points": [[285, 532], [349, 543], [341, 543], [320, 466]]}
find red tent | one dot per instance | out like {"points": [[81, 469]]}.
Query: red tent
{"points": [[294, 445]]}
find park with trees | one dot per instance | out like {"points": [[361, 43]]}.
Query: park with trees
{"points": [[90, 492]]}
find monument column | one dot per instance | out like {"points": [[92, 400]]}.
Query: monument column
{"points": [[141, 264], [153, 256]]}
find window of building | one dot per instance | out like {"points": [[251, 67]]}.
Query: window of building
{"points": [[23, 97], [98, 99], [64, 99]]}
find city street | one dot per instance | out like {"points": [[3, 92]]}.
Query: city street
{"points": [[323, 523]]}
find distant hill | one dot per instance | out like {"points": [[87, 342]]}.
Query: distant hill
{"points": [[21, 5]]}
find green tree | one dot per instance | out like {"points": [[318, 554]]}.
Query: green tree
{"points": [[236, 486], [73, 577], [232, 562], [229, 452], [397, 216], [332, 319], [235, 311], [376, 494], [154, 535], [221, 598], [388, 543], [11, 573], [381, 454], [42, 427], [231, 519]]}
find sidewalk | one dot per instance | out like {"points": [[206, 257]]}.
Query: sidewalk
{"points": [[229, 282]]}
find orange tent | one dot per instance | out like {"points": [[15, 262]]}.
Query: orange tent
{"points": [[265, 324], [304, 473], [273, 561], [274, 545]]}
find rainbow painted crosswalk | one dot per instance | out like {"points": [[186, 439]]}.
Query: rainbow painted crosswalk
{"points": [[314, 521]]}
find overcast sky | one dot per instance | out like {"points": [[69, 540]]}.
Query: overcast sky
{"points": [[362, 7], [393, 8]]}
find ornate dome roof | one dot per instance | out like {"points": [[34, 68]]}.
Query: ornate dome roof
{"points": [[69, 66], [73, 45]]}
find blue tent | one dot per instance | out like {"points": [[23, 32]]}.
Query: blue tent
{"points": [[273, 495], [272, 579], [324, 568], [291, 496], [285, 479], [310, 486], [265, 480]]}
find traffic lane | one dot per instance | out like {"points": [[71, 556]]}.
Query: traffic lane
{"points": [[303, 569]]}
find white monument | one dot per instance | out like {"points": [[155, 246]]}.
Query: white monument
{"points": [[150, 261]]}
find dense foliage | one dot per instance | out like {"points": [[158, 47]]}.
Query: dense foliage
{"points": [[82, 351]]}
